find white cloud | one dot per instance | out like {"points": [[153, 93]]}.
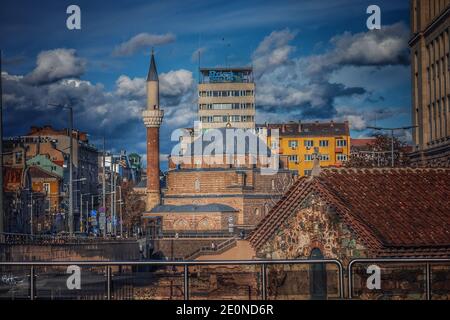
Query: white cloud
{"points": [[141, 41], [273, 51], [54, 65], [175, 83], [130, 87]]}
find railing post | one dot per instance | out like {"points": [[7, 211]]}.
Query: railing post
{"points": [[32, 283], [263, 281], [108, 282], [341, 280], [186, 282], [350, 280], [428, 281]]}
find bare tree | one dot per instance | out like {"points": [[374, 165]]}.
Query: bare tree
{"points": [[133, 207], [378, 153]]}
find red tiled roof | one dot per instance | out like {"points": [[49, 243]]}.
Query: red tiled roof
{"points": [[38, 172], [362, 142], [388, 209]]}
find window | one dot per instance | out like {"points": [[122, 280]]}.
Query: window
{"points": [[236, 118], [307, 172], [46, 188], [293, 143], [18, 157], [308, 157], [308, 143], [197, 185], [341, 143], [323, 143], [324, 157], [293, 158], [341, 157]]}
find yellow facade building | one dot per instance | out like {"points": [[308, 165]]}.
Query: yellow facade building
{"points": [[299, 141]]}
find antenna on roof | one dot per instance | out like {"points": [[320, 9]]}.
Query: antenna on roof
{"points": [[199, 57]]}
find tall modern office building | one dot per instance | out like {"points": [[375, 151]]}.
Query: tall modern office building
{"points": [[226, 98], [430, 65]]}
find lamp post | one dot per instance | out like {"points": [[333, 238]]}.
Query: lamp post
{"points": [[392, 137], [70, 164], [81, 210], [121, 204], [2, 214], [31, 209]]}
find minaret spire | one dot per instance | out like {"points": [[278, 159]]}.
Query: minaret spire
{"points": [[152, 72], [153, 117]]}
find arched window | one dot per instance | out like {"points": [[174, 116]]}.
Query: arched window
{"points": [[181, 224], [204, 224], [197, 185], [317, 277], [266, 209], [256, 212]]}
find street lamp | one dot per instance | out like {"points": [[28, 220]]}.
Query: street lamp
{"points": [[70, 164], [81, 210], [392, 137], [121, 204], [31, 209]]}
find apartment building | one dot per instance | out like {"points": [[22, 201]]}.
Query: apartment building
{"points": [[226, 98]]}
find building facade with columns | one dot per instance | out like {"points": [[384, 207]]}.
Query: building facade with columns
{"points": [[430, 68]]}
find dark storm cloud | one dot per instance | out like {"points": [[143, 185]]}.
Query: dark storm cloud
{"points": [[115, 114], [54, 65], [142, 41], [301, 86]]}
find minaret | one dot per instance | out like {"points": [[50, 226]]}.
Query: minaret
{"points": [[152, 117]]}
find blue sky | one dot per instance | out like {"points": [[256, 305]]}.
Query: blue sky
{"points": [[314, 60]]}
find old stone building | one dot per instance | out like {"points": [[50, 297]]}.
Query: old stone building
{"points": [[430, 74], [356, 213], [199, 193]]}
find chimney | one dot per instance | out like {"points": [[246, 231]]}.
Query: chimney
{"points": [[316, 164], [299, 126]]}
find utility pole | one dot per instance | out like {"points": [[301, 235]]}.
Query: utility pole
{"points": [[87, 217], [70, 164], [104, 185], [71, 172], [31, 212], [113, 198], [2, 213], [81, 209], [121, 204], [392, 137]]}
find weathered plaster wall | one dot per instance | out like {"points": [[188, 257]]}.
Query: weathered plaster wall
{"points": [[314, 225]]}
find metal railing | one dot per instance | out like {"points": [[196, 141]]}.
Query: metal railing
{"points": [[185, 264], [407, 261], [200, 235], [24, 238], [261, 265], [219, 248]]}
